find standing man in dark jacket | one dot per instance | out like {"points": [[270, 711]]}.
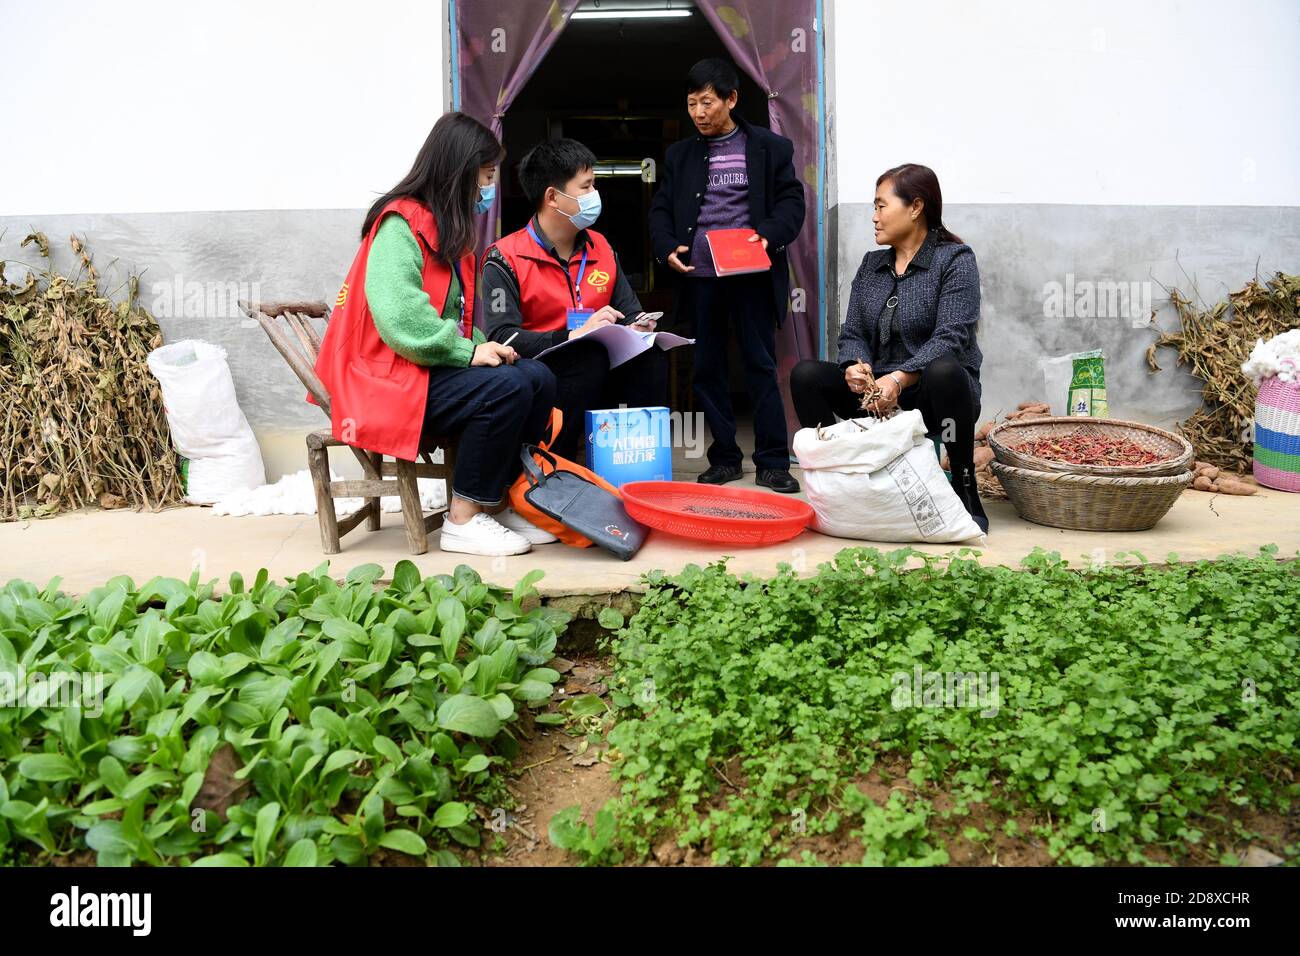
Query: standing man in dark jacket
{"points": [[731, 175]]}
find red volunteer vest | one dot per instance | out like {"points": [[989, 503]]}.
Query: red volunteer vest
{"points": [[546, 291], [377, 397]]}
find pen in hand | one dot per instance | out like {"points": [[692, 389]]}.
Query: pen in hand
{"points": [[507, 342]]}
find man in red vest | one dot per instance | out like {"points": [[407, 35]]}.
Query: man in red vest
{"points": [[558, 279]]}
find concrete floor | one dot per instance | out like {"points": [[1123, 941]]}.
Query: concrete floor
{"points": [[86, 548]]}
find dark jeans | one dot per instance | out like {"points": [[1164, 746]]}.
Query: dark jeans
{"points": [[491, 412], [742, 303], [943, 395], [584, 380]]}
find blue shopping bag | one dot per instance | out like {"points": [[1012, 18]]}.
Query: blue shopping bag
{"points": [[630, 444]]}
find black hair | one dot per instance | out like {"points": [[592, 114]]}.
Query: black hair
{"points": [[445, 178], [552, 162], [713, 72], [912, 181]]}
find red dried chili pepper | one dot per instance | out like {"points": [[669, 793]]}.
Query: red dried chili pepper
{"points": [[1080, 449]]}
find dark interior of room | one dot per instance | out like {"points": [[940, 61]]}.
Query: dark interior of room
{"points": [[619, 87]]}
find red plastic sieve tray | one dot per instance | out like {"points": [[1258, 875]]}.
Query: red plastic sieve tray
{"points": [[711, 513]]}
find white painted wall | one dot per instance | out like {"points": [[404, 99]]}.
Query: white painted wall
{"points": [[292, 104], [159, 106], [1153, 102]]}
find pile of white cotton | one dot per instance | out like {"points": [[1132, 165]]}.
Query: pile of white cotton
{"points": [[1279, 356], [293, 495]]}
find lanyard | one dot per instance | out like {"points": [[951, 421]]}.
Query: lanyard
{"points": [[464, 324], [576, 286]]}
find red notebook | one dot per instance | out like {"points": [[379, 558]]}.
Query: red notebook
{"points": [[734, 254]]}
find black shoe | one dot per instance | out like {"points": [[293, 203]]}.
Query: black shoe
{"points": [[778, 479], [963, 482], [720, 474]]}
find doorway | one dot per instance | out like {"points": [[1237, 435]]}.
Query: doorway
{"points": [[618, 86], [609, 73]]}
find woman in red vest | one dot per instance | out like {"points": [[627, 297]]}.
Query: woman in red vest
{"points": [[402, 360]]}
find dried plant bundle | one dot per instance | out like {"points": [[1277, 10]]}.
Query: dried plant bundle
{"points": [[82, 419], [1215, 342]]}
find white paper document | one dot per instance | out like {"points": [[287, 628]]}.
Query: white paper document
{"points": [[624, 343]]}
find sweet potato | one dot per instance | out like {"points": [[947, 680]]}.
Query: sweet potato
{"points": [[982, 433], [1201, 483], [983, 456], [1209, 471], [1231, 486]]}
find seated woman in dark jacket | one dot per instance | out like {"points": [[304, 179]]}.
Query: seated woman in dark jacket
{"points": [[911, 323]]}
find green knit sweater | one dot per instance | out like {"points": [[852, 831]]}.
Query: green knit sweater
{"points": [[405, 318]]}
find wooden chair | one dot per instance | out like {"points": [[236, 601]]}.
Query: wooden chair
{"points": [[299, 347]]}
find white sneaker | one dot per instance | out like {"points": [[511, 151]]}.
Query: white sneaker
{"points": [[481, 535], [517, 523]]}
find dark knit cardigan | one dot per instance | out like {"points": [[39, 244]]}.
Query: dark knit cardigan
{"points": [[938, 306]]}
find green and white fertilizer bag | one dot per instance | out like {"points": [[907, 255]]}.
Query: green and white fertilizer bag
{"points": [[1076, 384]]}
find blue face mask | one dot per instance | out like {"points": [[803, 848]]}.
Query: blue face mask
{"points": [[588, 208], [487, 195]]}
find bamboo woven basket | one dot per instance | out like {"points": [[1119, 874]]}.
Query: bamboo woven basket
{"points": [[1174, 449], [1090, 502]]}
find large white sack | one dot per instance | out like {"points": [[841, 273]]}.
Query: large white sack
{"points": [[207, 425], [880, 481]]}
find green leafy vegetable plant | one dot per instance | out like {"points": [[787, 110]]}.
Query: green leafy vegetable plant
{"points": [[297, 724], [1138, 712]]}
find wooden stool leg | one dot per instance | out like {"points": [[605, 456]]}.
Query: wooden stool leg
{"points": [[412, 515], [372, 517], [449, 462], [319, 463]]}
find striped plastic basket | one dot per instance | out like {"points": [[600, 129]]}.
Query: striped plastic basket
{"points": [[1277, 434]]}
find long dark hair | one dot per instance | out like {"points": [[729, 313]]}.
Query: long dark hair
{"points": [[445, 178], [914, 181]]}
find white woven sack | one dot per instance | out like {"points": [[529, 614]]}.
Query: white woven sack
{"points": [[880, 481], [207, 425]]}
